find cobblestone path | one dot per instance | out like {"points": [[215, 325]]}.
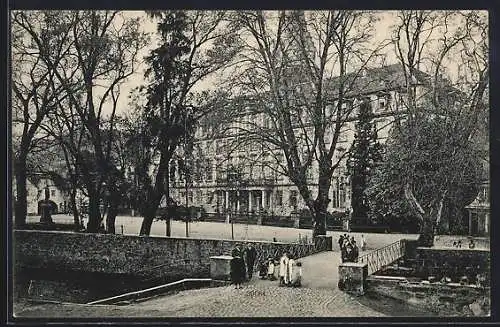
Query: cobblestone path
{"points": [[318, 297]]}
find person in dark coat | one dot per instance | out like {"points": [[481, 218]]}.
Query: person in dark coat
{"points": [[355, 252], [237, 267], [249, 254], [341, 240]]}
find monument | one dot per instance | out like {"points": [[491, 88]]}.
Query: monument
{"points": [[46, 208]]}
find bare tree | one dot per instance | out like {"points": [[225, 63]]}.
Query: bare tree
{"points": [[437, 42], [300, 74], [40, 41], [193, 45], [105, 48]]}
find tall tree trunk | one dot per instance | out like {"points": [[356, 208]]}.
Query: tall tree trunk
{"points": [[426, 237], [21, 204], [94, 213], [149, 212], [321, 202], [147, 222], [319, 226]]}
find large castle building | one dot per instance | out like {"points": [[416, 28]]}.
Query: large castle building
{"points": [[254, 187]]}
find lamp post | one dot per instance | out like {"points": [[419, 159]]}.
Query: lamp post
{"points": [[348, 204], [187, 156]]}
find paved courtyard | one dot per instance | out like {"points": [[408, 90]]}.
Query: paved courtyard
{"points": [[318, 297], [217, 230]]}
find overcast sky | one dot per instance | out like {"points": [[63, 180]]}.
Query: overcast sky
{"points": [[382, 32]]}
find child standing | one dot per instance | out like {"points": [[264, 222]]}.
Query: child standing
{"points": [[270, 268]]}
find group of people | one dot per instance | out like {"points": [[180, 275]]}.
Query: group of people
{"points": [[242, 264], [289, 270], [458, 244], [349, 249]]}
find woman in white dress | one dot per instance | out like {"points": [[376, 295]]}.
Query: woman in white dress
{"points": [[283, 269]]}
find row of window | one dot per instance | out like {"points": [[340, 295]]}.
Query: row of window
{"points": [[211, 198], [380, 103]]}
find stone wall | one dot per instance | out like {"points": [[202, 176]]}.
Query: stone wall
{"points": [[439, 260], [145, 257], [447, 241], [444, 299]]}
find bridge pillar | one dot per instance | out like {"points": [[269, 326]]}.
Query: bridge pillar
{"points": [[352, 277], [220, 267]]}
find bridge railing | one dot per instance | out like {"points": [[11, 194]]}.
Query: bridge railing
{"points": [[383, 256]]}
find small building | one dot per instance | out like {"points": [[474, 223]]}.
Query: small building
{"points": [[479, 212], [35, 186]]}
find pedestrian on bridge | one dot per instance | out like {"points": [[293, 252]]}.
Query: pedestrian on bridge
{"points": [[355, 251], [341, 241]]}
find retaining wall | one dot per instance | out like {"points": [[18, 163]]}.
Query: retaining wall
{"points": [[444, 299], [145, 257], [447, 241]]}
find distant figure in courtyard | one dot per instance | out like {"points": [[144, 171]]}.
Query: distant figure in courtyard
{"points": [[459, 244], [250, 254], [283, 269], [363, 243], [237, 267], [472, 244]]}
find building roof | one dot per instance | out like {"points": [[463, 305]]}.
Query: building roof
{"points": [[373, 80]]}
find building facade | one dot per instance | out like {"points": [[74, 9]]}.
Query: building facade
{"points": [[36, 183], [240, 179], [479, 212]]}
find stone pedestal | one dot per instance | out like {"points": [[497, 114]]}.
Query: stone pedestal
{"points": [[259, 219], [324, 240], [220, 267], [352, 277]]}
